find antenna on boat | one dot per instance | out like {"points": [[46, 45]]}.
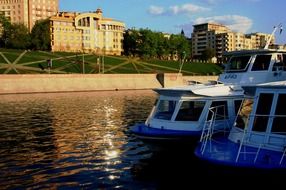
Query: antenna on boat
{"points": [[272, 34]]}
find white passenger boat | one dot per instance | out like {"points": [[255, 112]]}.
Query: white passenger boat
{"points": [[254, 66], [183, 112], [258, 136]]}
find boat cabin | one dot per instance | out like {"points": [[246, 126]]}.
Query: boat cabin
{"points": [[258, 136], [185, 111], [254, 66], [261, 122]]}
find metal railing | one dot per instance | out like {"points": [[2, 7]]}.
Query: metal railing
{"points": [[210, 128]]}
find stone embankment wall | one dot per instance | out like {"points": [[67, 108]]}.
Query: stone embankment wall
{"points": [[44, 83]]}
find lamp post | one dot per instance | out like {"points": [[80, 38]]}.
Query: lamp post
{"points": [[182, 62], [102, 63], [98, 63], [83, 71]]}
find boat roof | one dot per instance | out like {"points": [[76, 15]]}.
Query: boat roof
{"points": [[207, 90], [251, 89], [253, 51]]}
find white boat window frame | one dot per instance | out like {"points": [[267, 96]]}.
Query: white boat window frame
{"points": [[279, 115], [229, 64], [170, 115], [191, 118], [262, 111], [279, 62], [261, 66], [244, 113], [267, 138], [226, 113]]}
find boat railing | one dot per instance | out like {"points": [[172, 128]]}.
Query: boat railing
{"points": [[245, 141], [209, 128], [244, 152], [209, 82], [193, 82], [283, 156], [236, 70]]}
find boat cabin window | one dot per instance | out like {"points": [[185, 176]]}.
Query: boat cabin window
{"points": [[243, 114], [280, 64], [237, 104], [219, 110], [279, 121], [165, 109], [262, 112], [238, 63], [190, 111], [261, 63]]}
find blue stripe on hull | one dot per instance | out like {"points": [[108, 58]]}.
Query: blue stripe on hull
{"points": [[143, 131]]}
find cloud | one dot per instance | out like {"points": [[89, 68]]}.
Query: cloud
{"points": [[227, 1], [235, 23], [156, 10], [213, 1], [187, 9]]}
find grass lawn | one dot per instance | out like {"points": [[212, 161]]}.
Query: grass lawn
{"points": [[27, 62]]}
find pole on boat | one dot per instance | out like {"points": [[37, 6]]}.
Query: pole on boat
{"points": [[272, 34]]}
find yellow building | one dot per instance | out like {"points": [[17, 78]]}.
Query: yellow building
{"points": [[88, 32], [28, 11], [221, 39], [204, 36]]}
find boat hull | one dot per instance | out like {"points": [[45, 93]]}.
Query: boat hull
{"points": [[162, 138], [224, 152]]}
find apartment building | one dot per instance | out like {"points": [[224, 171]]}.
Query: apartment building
{"points": [[258, 39], [204, 36], [88, 32], [221, 39], [28, 11]]}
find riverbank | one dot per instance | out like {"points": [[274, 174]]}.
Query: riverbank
{"points": [[48, 83]]}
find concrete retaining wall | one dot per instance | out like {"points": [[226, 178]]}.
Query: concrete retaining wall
{"points": [[41, 83]]}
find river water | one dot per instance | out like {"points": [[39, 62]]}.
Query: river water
{"points": [[82, 141]]}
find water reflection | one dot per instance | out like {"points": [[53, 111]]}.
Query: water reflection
{"points": [[81, 141], [71, 140]]}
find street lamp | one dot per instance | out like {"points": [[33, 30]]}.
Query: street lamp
{"points": [[83, 71], [182, 62], [102, 63]]}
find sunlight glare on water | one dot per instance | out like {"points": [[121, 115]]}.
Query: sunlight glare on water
{"points": [[71, 139]]}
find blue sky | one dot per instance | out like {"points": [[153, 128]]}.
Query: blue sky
{"points": [[172, 16]]}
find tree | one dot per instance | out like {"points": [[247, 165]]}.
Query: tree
{"points": [[208, 54], [40, 34], [162, 49], [179, 45], [147, 43], [130, 42], [5, 31], [19, 38]]}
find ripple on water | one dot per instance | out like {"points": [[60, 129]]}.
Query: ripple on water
{"points": [[71, 140]]}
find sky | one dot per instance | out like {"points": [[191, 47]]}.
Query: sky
{"points": [[171, 16]]}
